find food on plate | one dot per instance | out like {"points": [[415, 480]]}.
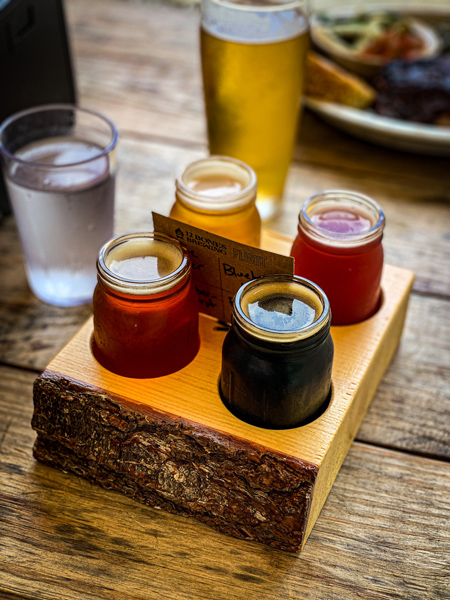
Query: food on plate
{"points": [[364, 42], [326, 81], [415, 91], [443, 29]]}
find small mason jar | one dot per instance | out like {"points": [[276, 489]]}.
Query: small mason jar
{"points": [[339, 247], [145, 307], [277, 356], [218, 194]]}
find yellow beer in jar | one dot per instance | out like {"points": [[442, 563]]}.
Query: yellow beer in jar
{"points": [[253, 79], [218, 194]]}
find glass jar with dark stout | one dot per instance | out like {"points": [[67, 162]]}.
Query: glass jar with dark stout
{"points": [[145, 307], [339, 247], [218, 194], [277, 357]]}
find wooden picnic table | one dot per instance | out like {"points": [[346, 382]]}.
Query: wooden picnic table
{"points": [[384, 531]]}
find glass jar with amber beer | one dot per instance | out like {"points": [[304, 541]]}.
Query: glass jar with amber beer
{"points": [[277, 356], [339, 247], [145, 307], [218, 194]]}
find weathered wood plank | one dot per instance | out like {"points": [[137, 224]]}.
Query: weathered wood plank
{"points": [[320, 143], [140, 63], [382, 534], [412, 406]]}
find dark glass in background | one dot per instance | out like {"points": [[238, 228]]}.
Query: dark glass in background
{"points": [[35, 61]]}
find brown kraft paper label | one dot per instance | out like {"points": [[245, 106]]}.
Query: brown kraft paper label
{"points": [[220, 266]]}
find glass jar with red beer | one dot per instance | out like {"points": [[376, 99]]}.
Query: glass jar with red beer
{"points": [[338, 246], [145, 307]]}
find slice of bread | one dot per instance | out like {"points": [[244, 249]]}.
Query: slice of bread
{"points": [[326, 81]]}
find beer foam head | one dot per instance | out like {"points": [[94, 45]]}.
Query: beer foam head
{"points": [[281, 308], [143, 263], [144, 260], [342, 218], [254, 22], [217, 183]]}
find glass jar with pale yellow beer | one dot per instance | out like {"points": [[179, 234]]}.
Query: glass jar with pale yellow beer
{"points": [[253, 54], [218, 194]]}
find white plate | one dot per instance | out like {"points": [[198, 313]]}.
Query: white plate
{"points": [[433, 140]]}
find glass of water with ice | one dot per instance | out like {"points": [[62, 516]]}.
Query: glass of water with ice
{"points": [[59, 166]]}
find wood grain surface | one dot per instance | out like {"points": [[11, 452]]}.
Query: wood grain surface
{"points": [[382, 534], [384, 530]]}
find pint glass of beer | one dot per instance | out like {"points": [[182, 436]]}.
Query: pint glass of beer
{"points": [[253, 54]]}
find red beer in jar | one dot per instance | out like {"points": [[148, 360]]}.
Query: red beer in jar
{"points": [[145, 307], [338, 246]]}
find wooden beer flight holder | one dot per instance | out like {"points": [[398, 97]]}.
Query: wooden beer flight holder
{"points": [[171, 443]]}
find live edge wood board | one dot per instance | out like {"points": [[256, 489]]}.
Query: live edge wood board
{"points": [[170, 442]]}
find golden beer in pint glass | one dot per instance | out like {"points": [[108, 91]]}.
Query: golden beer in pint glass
{"points": [[253, 55]]}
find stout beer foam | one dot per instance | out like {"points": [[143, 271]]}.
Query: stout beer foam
{"points": [[282, 306]]}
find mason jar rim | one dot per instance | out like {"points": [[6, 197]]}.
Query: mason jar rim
{"points": [[213, 203], [275, 335], [58, 106], [336, 238], [139, 287]]}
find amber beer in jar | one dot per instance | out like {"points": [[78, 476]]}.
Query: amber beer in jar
{"points": [[145, 307], [218, 194], [339, 247], [277, 356], [253, 56]]}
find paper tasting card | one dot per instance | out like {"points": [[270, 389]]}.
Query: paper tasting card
{"points": [[220, 266]]}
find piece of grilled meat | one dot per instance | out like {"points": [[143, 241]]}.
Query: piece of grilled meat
{"points": [[415, 90]]}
